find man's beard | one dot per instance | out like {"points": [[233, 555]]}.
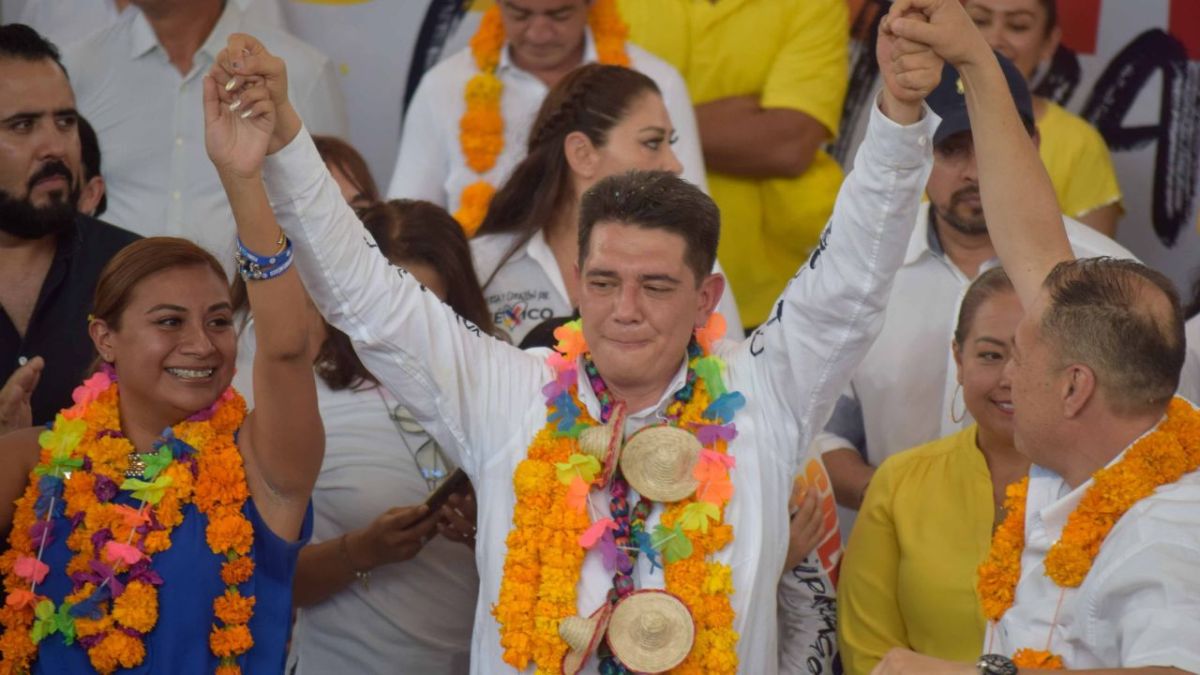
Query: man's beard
{"points": [[20, 218], [962, 218]]}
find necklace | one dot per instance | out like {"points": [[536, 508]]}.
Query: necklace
{"points": [[80, 490], [1158, 458]]}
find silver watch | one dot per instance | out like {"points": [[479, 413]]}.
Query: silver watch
{"points": [[995, 664]]}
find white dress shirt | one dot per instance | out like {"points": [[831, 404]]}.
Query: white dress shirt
{"points": [[481, 398], [430, 164], [1189, 378], [1139, 605], [530, 289], [65, 22], [150, 122]]}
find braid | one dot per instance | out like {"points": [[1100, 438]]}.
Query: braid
{"points": [[563, 116]]}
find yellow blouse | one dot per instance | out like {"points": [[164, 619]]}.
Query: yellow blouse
{"points": [[1078, 162], [908, 575]]}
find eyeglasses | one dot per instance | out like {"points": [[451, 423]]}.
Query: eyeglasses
{"points": [[428, 457]]}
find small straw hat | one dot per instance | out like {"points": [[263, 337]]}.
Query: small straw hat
{"points": [[658, 462], [604, 442], [651, 631], [582, 635]]}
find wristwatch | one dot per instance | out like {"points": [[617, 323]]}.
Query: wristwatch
{"points": [[995, 664]]}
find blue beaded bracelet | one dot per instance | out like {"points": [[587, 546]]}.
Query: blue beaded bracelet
{"points": [[254, 267]]}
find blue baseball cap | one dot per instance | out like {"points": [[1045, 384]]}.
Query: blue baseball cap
{"points": [[950, 103]]}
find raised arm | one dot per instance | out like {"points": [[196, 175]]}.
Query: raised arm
{"points": [[458, 382], [832, 309], [282, 441], [1024, 218]]}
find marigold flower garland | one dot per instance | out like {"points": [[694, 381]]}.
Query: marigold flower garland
{"points": [[114, 603], [481, 128], [552, 531], [1159, 458]]}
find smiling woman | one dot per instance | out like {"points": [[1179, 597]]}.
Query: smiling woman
{"points": [[156, 504]]}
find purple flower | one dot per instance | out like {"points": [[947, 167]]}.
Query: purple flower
{"points": [[709, 434], [42, 528], [105, 488], [102, 537]]}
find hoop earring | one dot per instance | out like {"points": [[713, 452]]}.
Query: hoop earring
{"points": [[953, 401]]}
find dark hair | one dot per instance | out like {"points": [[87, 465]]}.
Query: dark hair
{"points": [[986, 285], [341, 155], [137, 261], [18, 41], [591, 99], [655, 200], [417, 231], [89, 150], [1109, 314]]}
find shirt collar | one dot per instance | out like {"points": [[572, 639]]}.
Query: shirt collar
{"points": [[589, 53], [644, 416], [924, 237], [142, 39]]}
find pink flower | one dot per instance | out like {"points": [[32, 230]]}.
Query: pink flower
{"points": [[91, 389], [589, 538], [117, 552], [31, 569]]}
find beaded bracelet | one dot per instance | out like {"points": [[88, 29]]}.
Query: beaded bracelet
{"points": [[254, 267]]}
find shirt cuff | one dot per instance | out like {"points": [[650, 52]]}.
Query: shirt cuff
{"points": [[293, 170], [900, 146], [825, 441]]}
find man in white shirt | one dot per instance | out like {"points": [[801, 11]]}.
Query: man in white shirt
{"points": [[545, 40], [1096, 360], [139, 83], [904, 391], [645, 287]]}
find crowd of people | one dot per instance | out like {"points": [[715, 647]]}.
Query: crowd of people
{"points": [[606, 377]]}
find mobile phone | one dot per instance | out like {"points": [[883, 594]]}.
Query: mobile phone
{"points": [[455, 482]]}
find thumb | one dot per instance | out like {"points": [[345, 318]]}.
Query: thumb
{"points": [[408, 516], [28, 375], [916, 30]]}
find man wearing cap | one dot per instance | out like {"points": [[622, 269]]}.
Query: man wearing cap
{"points": [[902, 394]]}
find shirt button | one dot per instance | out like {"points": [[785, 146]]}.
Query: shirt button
{"points": [[176, 195], [22, 360], [922, 141], [179, 141]]}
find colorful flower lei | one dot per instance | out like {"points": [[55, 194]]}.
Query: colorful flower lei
{"points": [[552, 529], [481, 129], [114, 602], [1159, 458]]}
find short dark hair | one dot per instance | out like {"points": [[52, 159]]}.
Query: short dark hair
{"points": [[89, 152], [986, 285], [18, 41], [655, 200], [1123, 320]]}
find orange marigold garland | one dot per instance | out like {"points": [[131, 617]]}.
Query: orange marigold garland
{"points": [[115, 600], [481, 128], [545, 545], [1159, 458]]}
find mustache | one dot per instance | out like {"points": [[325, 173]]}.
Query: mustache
{"points": [[51, 169], [964, 194]]}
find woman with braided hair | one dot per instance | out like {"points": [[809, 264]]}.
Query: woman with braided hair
{"points": [[598, 121]]}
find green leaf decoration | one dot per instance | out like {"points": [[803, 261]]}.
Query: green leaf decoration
{"points": [[697, 514], [151, 492], [45, 623], [578, 464], [157, 462], [672, 542], [66, 623], [58, 466], [63, 438], [709, 370]]}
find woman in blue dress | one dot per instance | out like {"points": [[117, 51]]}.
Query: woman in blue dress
{"points": [[156, 524]]}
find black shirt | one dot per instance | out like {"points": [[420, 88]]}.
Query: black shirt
{"points": [[58, 327]]}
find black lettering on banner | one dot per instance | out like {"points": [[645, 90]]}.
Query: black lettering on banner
{"points": [[1176, 136], [823, 655]]}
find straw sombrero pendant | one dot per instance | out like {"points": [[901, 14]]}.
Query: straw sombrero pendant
{"points": [[651, 631], [604, 442], [582, 636], [659, 462]]}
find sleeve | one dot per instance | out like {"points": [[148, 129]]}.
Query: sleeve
{"points": [[869, 618], [804, 355], [421, 163], [322, 106], [1149, 601], [1093, 181], [458, 382], [811, 72], [683, 116]]}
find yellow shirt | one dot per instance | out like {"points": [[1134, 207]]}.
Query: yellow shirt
{"points": [[791, 54], [1078, 162], [908, 576]]}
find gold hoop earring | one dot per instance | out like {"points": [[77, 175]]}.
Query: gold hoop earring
{"points": [[953, 404]]}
